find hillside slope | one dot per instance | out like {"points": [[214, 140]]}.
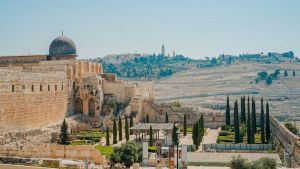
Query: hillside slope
{"points": [[207, 88]]}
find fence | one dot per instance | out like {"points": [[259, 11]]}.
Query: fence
{"points": [[243, 147]]}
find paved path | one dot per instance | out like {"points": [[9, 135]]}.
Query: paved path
{"points": [[210, 137]]}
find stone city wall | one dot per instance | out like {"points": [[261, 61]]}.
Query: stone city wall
{"points": [[31, 100], [80, 152]]}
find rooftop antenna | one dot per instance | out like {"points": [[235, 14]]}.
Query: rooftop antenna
{"points": [[62, 32]]}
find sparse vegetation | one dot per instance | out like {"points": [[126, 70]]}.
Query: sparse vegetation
{"points": [[262, 163], [290, 126]]}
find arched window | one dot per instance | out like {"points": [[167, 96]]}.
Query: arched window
{"points": [[41, 87], [32, 88], [48, 87], [13, 88]]}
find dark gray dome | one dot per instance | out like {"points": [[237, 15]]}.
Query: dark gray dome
{"points": [[61, 46]]}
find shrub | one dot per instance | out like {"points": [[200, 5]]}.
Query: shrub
{"points": [[152, 149], [239, 163], [262, 75], [264, 163], [291, 127]]}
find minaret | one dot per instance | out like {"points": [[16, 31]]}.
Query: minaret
{"points": [[163, 50]]}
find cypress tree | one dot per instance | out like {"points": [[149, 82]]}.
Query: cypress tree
{"points": [[243, 110], [107, 136], [253, 121], [201, 128], [268, 131], [227, 112], [147, 118], [196, 134], [249, 132], [126, 129], [184, 125], [236, 123], [242, 115], [150, 137], [131, 124], [262, 122], [167, 118], [254, 115], [115, 132], [120, 129], [64, 134], [174, 135]]}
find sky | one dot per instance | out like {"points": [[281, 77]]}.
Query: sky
{"points": [[194, 28]]}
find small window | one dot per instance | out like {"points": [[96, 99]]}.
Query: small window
{"points": [[62, 87], [13, 88], [48, 87], [23, 87], [32, 88], [55, 87], [41, 87]]}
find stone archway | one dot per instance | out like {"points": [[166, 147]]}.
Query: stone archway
{"points": [[92, 107], [78, 106]]}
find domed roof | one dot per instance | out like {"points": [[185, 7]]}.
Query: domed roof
{"points": [[62, 45]]}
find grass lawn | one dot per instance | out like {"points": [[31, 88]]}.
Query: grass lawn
{"points": [[188, 129], [104, 150]]}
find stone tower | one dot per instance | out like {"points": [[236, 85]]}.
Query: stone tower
{"points": [[163, 50]]}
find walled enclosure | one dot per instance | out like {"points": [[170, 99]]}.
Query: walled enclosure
{"points": [[38, 90]]}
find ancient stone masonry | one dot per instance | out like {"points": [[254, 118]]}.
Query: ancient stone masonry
{"points": [[39, 90]]}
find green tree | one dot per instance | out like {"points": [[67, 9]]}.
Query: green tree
{"points": [[269, 80], [227, 112], [253, 117], [120, 129], [126, 154], [64, 134], [201, 129], [262, 122], [249, 129], [167, 118], [243, 113], [195, 134], [151, 136], [236, 123], [126, 129], [131, 124], [147, 118], [268, 131], [184, 125], [244, 110], [174, 135], [107, 136], [286, 73], [115, 132]]}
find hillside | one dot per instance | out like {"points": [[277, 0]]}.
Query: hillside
{"points": [[207, 88], [153, 67]]}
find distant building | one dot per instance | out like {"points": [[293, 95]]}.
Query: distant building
{"points": [[163, 51]]}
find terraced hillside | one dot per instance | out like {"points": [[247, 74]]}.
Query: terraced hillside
{"points": [[207, 88]]}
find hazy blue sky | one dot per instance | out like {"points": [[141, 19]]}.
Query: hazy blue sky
{"points": [[194, 28]]}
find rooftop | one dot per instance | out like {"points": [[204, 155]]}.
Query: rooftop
{"points": [[155, 126]]}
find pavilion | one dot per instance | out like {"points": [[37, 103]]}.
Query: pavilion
{"points": [[142, 129]]}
